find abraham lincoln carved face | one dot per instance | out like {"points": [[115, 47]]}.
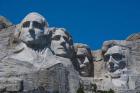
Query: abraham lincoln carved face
{"points": [[114, 59]]}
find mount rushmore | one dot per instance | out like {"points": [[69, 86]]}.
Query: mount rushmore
{"points": [[36, 58]]}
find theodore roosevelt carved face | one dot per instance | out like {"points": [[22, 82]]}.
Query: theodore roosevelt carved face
{"points": [[84, 57]]}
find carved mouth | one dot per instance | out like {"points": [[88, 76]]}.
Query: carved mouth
{"points": [[112, 69], [61, 48]]}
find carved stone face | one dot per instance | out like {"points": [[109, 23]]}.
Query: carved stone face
{"points": [[84, 62], [32, 27], [114, 59], [60, 43]]}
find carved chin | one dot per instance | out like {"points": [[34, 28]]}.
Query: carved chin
{"points": [[31, 42], [115, 74], [27, 40], [60, 52], [84, 73], [63, 54], [112, 69], [34, 43]]}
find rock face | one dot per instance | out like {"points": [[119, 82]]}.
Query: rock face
{"points": [[116, 66], [85, 61], [35, 58], [84, 58], [99, 64], [133, 37], [128, 73], [17, 76], [27, 63], [4, 23]]}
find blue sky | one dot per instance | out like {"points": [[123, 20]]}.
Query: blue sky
{"points": [[88, 21]]}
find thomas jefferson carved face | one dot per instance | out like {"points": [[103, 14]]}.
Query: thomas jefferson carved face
{"points": [[60, 43], [32, 27], [114, 59]]}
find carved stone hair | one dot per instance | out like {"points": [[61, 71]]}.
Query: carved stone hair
{"points": [[51, 31], [88, 54], [80, 45], [108, 44], [35, 14]]}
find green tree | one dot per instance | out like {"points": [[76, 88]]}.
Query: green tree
{"points": [[81, 89]]}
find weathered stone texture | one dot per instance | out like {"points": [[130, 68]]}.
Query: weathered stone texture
{"points": [[133, 37], [131, 51], [99, 64], [48, 71], [87, 83], [23, 77], [46, 74]]}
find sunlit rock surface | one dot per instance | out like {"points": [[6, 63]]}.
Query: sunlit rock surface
{"points": [[25, 68], [31, 69]]}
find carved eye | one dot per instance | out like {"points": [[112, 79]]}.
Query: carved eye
{"points": [[57, 38], [65, 38], [26, 24], [37, 25], [81, 58], [117, 56], [106, 57]]}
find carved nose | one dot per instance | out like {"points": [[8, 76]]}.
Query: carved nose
{"points": [[111, 64], [31, 25], [32, 33], [110, 59], [86, 60], [62, 41]]}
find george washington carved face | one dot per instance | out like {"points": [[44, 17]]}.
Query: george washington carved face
{"points": [[32, 27]]}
